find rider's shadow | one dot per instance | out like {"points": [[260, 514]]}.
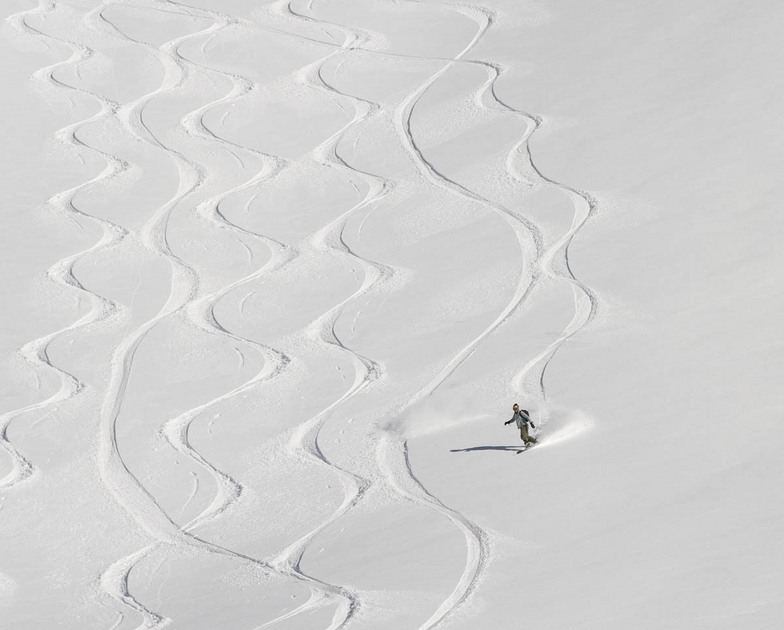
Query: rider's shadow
{"points": [[471, 449]]}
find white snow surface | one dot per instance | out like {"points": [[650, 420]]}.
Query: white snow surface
{"points": [[275, 272]]}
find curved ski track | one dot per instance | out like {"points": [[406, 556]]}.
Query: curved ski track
{"points": [[129, 491], [201, 312], [392, 452], [36, 352], [394, 467]]}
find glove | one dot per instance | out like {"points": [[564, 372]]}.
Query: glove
{"points": [[532, 424], [507, 422]]}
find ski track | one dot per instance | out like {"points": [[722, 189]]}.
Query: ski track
{"points": [[553, 261], [303, 441], [125, 486], [397, 477], [394, 470], [200, 312], [392, 453], [102, 310]]}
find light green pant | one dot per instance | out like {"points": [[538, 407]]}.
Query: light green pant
{"points": [[525, 437]]}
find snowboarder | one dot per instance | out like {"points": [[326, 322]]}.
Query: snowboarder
{"points": [[523, 419]]}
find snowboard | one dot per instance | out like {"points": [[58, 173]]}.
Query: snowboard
{"points": [[526, 448]]}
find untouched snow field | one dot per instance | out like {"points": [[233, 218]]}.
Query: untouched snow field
{"points": [[275, 272]]}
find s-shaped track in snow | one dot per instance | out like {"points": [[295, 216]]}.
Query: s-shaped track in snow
{"points": [[102, 311], [541, 261], [394, 467]]}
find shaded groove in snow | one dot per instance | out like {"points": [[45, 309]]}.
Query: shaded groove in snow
{"points": [[128, 490], [201, 311], [393, 468], [102, 309]]}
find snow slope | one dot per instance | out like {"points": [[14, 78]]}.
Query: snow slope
{"points": [[274, 274]]}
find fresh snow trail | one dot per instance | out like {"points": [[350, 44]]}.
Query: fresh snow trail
{"points": [[401, 478], [201, 312], [304, 439], [392, 449], [102, 310], [540, 264], [269, 272], [176, 431], [329, 239], [118, 478], [394, 470], [531, 241]]}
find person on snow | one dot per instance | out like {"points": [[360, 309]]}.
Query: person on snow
{"points": [[522, 419]]}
